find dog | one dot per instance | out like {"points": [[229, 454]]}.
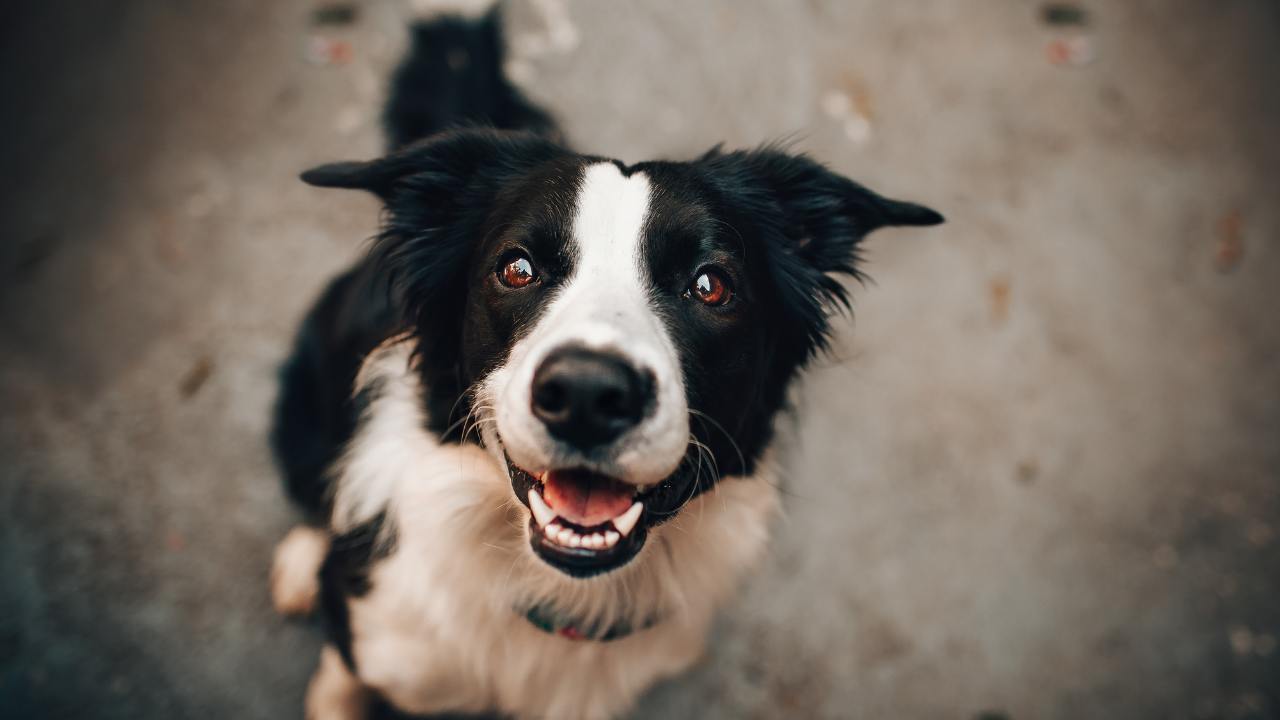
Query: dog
{"points": [[532, 429]]}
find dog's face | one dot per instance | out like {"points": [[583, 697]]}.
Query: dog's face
{"points": [[621, 336]]}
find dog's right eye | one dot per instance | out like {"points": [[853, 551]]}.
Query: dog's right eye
{"points": [[711, 288], [516, 271]]}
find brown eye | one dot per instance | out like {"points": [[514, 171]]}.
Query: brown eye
{"points": [[711, 288], [517, 272]]}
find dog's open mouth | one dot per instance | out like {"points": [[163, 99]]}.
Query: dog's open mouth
{"points": [[581, 523]]}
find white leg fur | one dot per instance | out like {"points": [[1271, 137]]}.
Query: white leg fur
{"points": [[294, 572], [334, 693]]}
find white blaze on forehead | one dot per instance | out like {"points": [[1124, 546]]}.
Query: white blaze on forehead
{"points": [[611, 212], [608, 229], [604, 305]]}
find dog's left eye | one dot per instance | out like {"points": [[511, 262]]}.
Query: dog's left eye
{"points": [[516, 271]]}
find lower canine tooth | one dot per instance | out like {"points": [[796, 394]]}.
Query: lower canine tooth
{"points": [[611, 538], [627, 520], [552, 530]]}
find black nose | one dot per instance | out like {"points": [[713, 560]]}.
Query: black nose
{"points": [[588, 398]]}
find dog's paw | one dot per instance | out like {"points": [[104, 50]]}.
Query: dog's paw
{"points": [[334, 693], [295, 580]]}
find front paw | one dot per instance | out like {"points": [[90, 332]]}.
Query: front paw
{"points": [[295, 581], [334, 693]]}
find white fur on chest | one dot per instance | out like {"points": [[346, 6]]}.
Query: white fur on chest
{"points": [[439, 629]]}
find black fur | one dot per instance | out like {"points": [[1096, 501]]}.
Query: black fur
{"points": [[315, 414], [453, 76], [345, 575]]}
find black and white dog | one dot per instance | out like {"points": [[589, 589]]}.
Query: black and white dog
{"points": [[532, 427]]}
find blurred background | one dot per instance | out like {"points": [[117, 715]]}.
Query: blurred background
{"points": [[1039, 477]]}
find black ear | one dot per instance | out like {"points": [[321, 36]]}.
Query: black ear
{"points": [[370, 175], [816, 201], [898, 212], [438, 194], [451, 160], [811, 221]]}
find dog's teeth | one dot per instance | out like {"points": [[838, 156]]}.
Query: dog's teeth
{"points": [[595, 541], [552, 531], [627, 520], [542, 514], [575, 541], [611, 538], [563, 536]]}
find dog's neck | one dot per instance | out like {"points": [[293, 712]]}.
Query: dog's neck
{"points": [[550, 620]]}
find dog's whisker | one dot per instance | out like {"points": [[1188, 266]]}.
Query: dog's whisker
{"points": [[705, 418]]}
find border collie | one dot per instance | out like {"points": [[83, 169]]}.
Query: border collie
{"points": [[532, 428]]}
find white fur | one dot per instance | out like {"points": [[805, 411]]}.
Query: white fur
{"points": [[374, 454], [295, 581], [605, 306], [439, 629]]}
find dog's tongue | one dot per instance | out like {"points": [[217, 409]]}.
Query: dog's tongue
{"points": [[584, 498]]}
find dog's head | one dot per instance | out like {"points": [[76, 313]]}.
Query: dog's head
{"points": [[622, 336]]}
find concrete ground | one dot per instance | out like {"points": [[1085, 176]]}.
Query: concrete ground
{"points": [[1039, 479]]}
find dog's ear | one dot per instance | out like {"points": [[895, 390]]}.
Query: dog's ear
{"points": [[811, 221], [438, 194], [372, 175], [447, 162]]}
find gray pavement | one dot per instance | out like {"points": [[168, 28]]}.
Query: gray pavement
{"points": [[1040, 477]]}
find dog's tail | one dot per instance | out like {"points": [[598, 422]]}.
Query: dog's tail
{"points": [[453, 76]]}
